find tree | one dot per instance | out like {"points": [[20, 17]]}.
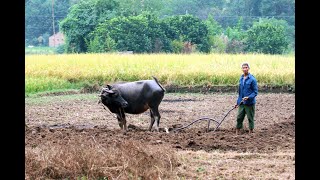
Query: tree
{"points": [[142, 33], [83, 19], [214, 28], [236, 38], [289, 29], [129, 33], [190, 29], [38, 19], [236, 32], [267, 37], [156, 32], [136, 7]]}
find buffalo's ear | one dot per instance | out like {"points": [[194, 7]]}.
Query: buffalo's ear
{"points": [[109, 86]]}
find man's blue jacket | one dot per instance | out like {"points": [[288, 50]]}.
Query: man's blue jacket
{"points": [[248, 88]]}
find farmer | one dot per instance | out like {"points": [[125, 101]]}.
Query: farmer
{"points": [[248, 90]]}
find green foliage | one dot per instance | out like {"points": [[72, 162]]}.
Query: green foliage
{"points": [[236, 38], [128, 33], [109, 44], [147, 33], [79, 18], [38, 19], [236, 32], [177, 46], [83, 19], [136, 7], [100, 44], [77, 25], [267, 37], [60, 49], [289, 30], [95, 46], [191, 29], [156, 32], [214, 28], [218, 43]]}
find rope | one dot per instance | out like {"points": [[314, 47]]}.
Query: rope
{"points": [[209, 120]]}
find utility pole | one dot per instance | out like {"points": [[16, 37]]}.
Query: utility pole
{"points": [[54, 33]]}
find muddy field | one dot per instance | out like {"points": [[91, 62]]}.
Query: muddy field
{"points": [[61, 119]]}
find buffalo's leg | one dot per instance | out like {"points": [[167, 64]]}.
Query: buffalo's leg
{"points": [[124, 121], [120, 121], [152, 120], [156, 117]]}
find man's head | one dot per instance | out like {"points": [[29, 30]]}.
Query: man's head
{"points": [[245, 68]]}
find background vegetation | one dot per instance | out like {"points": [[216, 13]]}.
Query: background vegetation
{"points": [[170, 26]]}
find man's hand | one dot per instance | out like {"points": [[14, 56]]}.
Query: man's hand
{"points": [[235, 106], [245, 98]]}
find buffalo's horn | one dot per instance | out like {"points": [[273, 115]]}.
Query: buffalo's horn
{"points": [[110, 92]]}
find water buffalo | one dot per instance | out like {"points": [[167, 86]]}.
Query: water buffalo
{"points": [[134, 98]]}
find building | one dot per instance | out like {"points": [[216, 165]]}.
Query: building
{"points": [[56, 40]]}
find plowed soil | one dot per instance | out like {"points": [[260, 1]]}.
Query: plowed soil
{"points": [[60, 119], [268, 153]]}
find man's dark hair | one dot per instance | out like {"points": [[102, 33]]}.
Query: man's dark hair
{"points": [[245, 63]]}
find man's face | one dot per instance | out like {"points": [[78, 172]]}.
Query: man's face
{"points": [[245, 69]]}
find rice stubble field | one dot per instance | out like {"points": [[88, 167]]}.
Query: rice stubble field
{"points": [[74, 136]]}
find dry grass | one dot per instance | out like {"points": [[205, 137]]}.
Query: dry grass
{"points": [[123, 160], [234, 165]]}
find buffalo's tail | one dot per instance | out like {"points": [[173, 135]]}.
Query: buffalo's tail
{"points": [[159, 83]]}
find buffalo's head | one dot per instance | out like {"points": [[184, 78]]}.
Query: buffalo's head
{"points": [[111, 96]]}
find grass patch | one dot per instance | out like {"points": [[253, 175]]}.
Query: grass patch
{"points": [[34, 85], [42, 98], [39, 50]]}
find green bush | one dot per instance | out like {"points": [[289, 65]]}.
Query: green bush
{"points": [[82, 19], [190, 29], [267, 37], [109, 44], [218, 43], [177, 46], [60, 49], [94, 45]]}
